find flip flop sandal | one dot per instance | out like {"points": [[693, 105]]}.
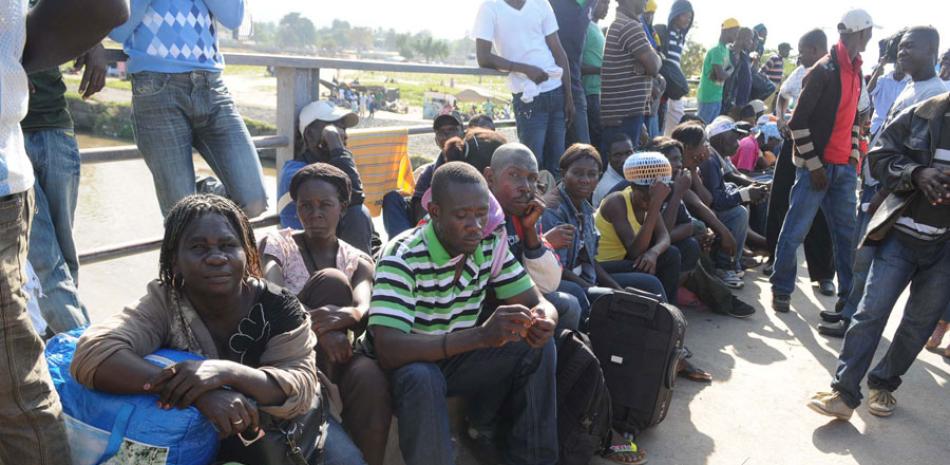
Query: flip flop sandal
{"points": [[627, 453], [692, 373]]}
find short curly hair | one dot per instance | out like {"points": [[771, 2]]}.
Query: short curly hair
{"points": [[323, 172], [578, 152]]}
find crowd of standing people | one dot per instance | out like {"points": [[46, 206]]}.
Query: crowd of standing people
{"points": [[613, 188]]}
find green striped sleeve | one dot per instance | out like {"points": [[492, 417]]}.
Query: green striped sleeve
{"points": [[394, 300]]}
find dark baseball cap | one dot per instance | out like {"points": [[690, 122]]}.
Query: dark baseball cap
{"points": [[445, 119]]}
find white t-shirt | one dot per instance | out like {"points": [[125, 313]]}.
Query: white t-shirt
{"points": [[16, 171], [519, 36], [792, 87]]}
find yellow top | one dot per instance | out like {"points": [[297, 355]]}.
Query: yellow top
{"points": [[610, 248]]}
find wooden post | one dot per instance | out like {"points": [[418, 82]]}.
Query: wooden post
{"points": [[296, 87]]}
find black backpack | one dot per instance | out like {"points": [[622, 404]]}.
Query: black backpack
{"points": [[583, 402]]}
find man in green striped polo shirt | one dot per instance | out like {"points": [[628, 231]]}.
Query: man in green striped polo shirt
{"points": [[423, 327]]}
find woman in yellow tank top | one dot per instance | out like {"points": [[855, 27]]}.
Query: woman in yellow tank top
{"points": [[633, 235]]}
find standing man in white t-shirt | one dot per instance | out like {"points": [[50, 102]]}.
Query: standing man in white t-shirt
{"points": [[524, 33], [31, 425]]}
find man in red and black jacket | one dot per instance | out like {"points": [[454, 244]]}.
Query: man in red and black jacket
{"points": [[825, 130]]}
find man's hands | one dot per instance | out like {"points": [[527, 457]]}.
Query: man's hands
{"points": [[511, 323], [535, 74], [336, 345], [179, 385], [331, 137], [229, 412], [94, 75], [532, 214], [758, 193], [508, 323], [935, 184], [561, 237], [819, 179], [542, 328], [682, 181], [568, 109]]}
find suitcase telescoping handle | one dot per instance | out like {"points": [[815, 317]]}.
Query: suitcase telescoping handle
{"points": [[635, 302]]}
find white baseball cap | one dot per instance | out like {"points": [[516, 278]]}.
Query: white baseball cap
{"points": [[323, 110], [855, 20], [722, 124]]}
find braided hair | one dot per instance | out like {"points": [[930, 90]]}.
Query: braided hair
{"points": [[193, 207]]}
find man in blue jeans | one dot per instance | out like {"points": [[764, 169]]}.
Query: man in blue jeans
{"points": [[573, 17], [525, 35], [51, 145], [911, 230], [427, 335], [180, 102], [825, 130], [917, 57]]}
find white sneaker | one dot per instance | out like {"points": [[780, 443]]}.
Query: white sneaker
{"points": [[830, 404], [881, 402], [730, 279]]}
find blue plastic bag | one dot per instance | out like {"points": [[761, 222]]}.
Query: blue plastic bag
{"points": [[127, 429]]}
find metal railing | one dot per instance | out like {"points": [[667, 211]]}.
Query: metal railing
{"points": [[298, 83]]}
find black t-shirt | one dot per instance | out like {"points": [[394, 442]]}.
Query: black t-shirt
{"points": [[47, 108], [276, 312]]}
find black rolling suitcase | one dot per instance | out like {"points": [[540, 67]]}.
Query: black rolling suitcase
{"points": [[639, 342]]}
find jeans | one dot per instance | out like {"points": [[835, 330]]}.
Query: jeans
{"points": [[356, 228], [838, 203], [396, 214], [31, 425], [173, 113], [709, 111], [55, 158], [593, 120], [542, 128], [568, 308], [898, 261], [675, 109], [689, 254], [653, 125], [340, 449], [579, 130], [736, 220], [631, 126], [862, 256], [819, 254], [515, 375]]}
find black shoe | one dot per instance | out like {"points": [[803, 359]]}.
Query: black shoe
{"points": [[740, 309], [827, 287], [769, 268], [829, 316], [781, 303], [836, 329]]}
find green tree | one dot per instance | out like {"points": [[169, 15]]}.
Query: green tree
{"points": [[265, 33], [430, 48], [692, 59], [296, 31]]}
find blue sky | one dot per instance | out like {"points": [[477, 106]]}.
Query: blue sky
{"points": [[787, 20]]}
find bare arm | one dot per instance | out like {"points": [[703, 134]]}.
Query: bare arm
{"points": [[560, 57], [651, 61], [273, 272], [362, 283], [487, 59], [699, 188], [54, 36]]}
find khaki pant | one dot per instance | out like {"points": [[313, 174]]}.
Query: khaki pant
{"points": [[31, 425]]}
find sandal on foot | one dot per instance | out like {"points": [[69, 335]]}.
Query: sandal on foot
{"points": [[937, 337], [627, 453], [689, 371]]}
